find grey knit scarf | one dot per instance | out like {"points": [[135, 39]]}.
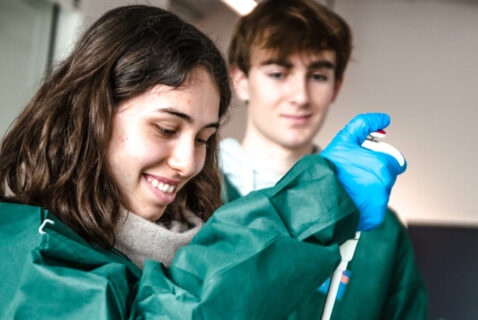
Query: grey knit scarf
{"points": [[140, 239]]}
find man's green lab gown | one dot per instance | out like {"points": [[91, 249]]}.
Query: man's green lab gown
{"points": [[260, 257], [382, 280]]}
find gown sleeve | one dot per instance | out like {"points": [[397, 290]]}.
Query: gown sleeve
{"points": [[257, 257]]}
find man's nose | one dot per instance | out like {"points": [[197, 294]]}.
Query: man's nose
{"points": [[298, 91]]}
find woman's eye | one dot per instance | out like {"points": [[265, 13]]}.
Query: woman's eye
{"points": [[201, 141], [166, 132]]}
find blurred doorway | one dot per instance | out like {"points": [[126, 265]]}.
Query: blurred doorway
{"points": [[25, 40]]}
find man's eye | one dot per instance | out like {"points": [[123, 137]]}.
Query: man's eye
{"points": [[277, 75], [319, 77]]}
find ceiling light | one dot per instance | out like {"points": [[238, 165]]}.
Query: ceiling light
{"points": [[242, 7]]}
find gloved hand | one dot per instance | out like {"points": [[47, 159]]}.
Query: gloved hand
{"points": [[367, 176]]}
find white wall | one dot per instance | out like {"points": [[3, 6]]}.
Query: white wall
{"points": [[93, 9], [415, 60]]}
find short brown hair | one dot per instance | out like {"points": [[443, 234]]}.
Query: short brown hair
{"points": [[289, 27], [54, 155]]}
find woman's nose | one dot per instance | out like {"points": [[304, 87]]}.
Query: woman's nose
{"points": [[183, 158]]}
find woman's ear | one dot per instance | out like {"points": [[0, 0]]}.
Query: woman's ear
{"points": [[240, 82]]}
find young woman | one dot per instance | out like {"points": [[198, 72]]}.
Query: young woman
{"points": [[110, 171]]}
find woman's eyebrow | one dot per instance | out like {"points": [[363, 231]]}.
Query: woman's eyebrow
{"points": [[186, 117]]}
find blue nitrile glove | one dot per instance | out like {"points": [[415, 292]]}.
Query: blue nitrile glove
{"points": [[367, 176]]}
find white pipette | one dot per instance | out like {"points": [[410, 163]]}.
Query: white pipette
{"points": [[347, 249], [373, 144]]}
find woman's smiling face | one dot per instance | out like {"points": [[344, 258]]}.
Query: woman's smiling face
{"points": [[159, 141]]}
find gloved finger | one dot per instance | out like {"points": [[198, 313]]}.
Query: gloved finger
{"points": [[359, 127], [370, 223], [374, 213], [378, 159], [394, 166]]}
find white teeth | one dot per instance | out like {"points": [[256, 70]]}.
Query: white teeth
{"points": [[166, 188]]}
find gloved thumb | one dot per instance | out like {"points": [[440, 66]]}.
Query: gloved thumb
{"points": [[359, 127]]}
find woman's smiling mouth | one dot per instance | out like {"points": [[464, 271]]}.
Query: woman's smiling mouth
{"points": [[164, 187]]}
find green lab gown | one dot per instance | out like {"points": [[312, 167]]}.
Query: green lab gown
{"points": [[260, 257], [383, 279]]}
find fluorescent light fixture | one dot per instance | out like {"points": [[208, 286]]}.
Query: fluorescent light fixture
{"points": [[242, 7]]}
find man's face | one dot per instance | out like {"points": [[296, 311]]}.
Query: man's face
{"points": [[288, 99]]}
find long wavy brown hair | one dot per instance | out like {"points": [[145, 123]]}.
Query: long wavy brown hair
{"points": [[54, 154]]}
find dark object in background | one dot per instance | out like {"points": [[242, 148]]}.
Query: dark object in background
{"points": [[448, 259]]}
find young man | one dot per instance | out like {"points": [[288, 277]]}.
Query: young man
{"points": [[287, 60]]}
